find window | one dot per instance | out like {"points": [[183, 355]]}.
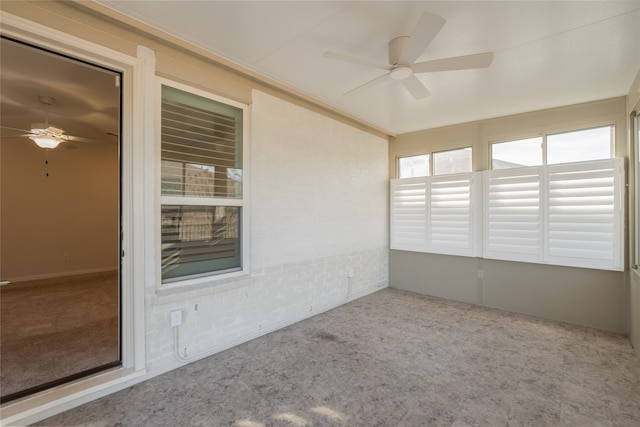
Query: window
{"points": [[579, 146], [452, 161], [566, 147], [413, 166], [441, 162], [513, 154], [201, 185]]}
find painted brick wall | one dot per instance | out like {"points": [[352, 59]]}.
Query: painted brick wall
{"points": [[318, 214]]}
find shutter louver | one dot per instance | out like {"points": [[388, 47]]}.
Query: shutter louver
{"points": [[408, 214]]}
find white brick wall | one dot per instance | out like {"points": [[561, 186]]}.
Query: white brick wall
{"points": [[318, 209]]}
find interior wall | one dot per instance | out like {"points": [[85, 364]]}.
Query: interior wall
{"points": [[62, 223], [593, 298]]}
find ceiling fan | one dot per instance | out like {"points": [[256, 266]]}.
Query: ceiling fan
{"points": [[47, 136], [403, 52]]}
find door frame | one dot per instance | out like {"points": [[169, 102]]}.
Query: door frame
{"points": [[138, 74]]}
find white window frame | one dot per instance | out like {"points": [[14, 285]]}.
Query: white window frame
{"points": [[431, 161], [543, 143], [214, 277]]}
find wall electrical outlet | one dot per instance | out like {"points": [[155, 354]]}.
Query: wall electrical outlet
{"points": [[176, 318], [350, 273], [480, 274]]}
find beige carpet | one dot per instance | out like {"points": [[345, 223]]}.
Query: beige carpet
{"points": [[56, 328], [393, 359]]}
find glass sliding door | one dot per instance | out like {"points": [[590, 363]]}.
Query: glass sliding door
{"points": [[59, 219]]}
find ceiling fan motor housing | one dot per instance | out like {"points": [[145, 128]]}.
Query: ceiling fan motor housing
{"points": [[396, 47]]}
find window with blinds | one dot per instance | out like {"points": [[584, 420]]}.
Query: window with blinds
{"points": [[201, 185]]}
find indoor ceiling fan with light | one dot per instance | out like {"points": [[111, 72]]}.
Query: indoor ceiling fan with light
{"points": [[405, 50], [46, 135]]}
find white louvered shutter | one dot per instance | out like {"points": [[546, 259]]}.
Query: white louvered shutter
{"points": [[408, 214], [451, 229], [513, 215], [585, 214]]}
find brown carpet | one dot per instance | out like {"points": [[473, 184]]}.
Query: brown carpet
{"points": [[393, 359], [56, 328]]}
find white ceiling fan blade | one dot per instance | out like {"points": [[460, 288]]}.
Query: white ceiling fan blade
{"points": [[355, 60], [10, 128], [465, 62], [425, 31], [368, 85], [415, 87], [83, 139]]}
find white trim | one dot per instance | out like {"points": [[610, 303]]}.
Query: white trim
{"points": [[136, 72]]}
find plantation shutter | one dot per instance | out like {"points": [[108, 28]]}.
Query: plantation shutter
{"points": [[585, 214], [513, 215], [451, 217], [201, 185], [408, 214]]}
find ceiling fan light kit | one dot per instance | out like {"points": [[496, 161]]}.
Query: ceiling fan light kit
{"points": [[405, 50], [44, 141]]}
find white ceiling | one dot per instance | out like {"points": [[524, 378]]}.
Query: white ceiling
{"points": [[547, 53]]}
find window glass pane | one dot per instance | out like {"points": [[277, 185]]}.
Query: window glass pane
{"points": [[201, 146], [579, 146], [199, 239], [513, 154], [453, 161], [413, 166]]}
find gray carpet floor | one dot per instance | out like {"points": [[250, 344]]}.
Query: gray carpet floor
{"points": [[55, 328], [394, 359]]}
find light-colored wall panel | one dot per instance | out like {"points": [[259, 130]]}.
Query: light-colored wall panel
{"points": [[594, 298], [443, 276], [62, 223]]}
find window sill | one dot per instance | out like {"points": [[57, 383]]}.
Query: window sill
{"points": [[221, 282]]}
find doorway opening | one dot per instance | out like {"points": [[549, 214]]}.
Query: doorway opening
{"points": [[60, 219]]}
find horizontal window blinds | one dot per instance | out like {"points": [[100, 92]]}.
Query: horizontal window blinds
{"points": [[200, 148], [568, 214]]}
